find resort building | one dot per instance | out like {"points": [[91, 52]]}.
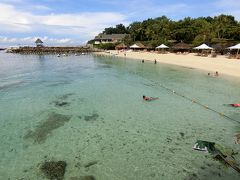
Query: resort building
{"points": [[109, 38]]}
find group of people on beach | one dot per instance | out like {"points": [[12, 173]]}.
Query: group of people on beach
{"points": [[215, 74], [155, 61]]}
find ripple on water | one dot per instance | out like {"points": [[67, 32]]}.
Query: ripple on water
{"points": [[9, 85]]}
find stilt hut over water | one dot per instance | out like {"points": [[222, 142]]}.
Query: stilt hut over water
{"points": [[39, 43]]}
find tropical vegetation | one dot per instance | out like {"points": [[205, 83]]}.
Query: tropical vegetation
{"points": [[222, 29]]}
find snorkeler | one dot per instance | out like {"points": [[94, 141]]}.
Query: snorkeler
{"points": [[146, 98]]}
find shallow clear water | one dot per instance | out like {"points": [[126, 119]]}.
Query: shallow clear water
{"points": [[89, 109]]}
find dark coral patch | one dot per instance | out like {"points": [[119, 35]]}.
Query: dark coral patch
{"points": [[92, 117], [41, 132], [54, 170]]}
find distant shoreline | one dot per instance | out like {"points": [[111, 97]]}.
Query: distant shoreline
{"points": [[221, 64], [51, 50]]}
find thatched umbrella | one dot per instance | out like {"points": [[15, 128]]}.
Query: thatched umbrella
{"points": [[181, 47], [140, 45], [121, 46]]}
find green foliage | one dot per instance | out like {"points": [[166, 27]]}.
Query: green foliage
{"points": [[106, 46], [189, 30], [119, 29]]}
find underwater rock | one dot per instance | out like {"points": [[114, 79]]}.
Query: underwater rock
{"points": [[61, 103], [54, 170], [182, 134], [83, 178], [90, 164], [65, 96], [41, 132], [92, 117], [237, 138]]}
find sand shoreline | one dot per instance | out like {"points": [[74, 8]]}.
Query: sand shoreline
{"points": [[221, 64]]}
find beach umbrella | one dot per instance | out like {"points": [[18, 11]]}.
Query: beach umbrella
{"points": [[237, 46], [162, 46], [181, 47], [203, 46], [134, 46]]}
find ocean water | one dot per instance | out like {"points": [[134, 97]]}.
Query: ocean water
{"points": [[88, 111]]}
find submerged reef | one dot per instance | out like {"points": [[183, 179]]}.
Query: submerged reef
{"points": [[83, 178], [65, 96], [92, 117], [60, 103], [62, 100], [54, 170], [41, 132]]}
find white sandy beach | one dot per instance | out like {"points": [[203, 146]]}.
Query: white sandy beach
{"points": [[221, 63]]}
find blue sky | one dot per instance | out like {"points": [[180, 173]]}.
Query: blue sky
{"points": [[61, 22]]}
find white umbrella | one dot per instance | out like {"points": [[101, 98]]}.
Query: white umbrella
{"points": [[162, 46], [203, 46], [237, 46], [134, 46]]}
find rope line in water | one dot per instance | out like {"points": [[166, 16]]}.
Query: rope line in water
{"points": [[198, 103]]}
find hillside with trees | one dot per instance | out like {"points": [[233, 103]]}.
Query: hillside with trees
{"points": [[218, 30]]}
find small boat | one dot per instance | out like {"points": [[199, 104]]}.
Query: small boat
{"points": [[58, 55], [83, 53]]}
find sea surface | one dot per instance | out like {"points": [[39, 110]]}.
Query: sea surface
{"points": [[88, 111]]}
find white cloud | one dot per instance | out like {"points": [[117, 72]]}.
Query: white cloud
{"points": [[30, 40], [83, 25]]}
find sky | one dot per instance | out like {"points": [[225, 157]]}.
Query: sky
{"points": [[74, 22]]}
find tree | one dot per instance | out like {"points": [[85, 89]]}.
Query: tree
{"points": [[119, 29]]}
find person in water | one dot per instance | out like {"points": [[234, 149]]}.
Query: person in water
{"points": [[155, 61], [146, 98], [216, 74], [143, 61], [235, 105]]}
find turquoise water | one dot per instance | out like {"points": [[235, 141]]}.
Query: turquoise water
{"points": [[89, 109]]}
